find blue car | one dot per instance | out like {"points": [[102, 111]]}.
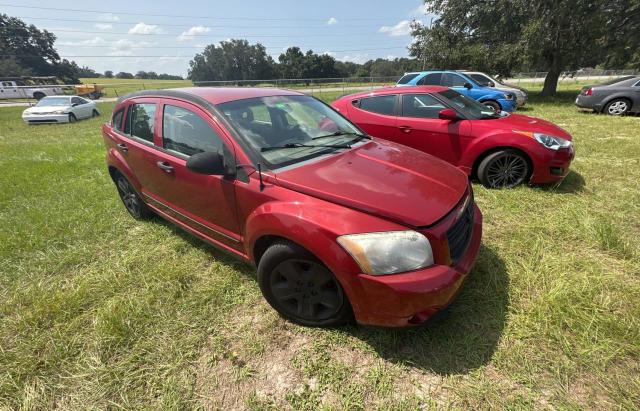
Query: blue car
{"points": [[460, 82]]}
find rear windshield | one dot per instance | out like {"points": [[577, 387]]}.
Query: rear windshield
{"points": [[407, 78], [617, 80]]}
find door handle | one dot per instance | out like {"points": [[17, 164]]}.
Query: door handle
{"points": [[122, 147], [165, 166], [405, 129]]}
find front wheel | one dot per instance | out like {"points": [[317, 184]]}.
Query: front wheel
{"points": [[299, 287], [95, 113], [503, 169], [617, 107], [493, 105]]}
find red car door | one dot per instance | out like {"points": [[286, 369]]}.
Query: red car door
{"points": [[204, 203], [375, 115], [418, 126]]}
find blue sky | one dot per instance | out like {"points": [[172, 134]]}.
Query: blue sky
{"points": [[116, 33]]}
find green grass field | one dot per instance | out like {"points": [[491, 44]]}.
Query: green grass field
{"points": [[100, 311]]}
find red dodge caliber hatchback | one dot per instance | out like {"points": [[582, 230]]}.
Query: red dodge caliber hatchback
{"points": [[340, 226], [500, 149]]}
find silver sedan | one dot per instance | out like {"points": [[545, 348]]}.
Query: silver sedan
{"points": [[60, 109]]}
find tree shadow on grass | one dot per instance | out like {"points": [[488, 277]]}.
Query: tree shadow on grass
{"points": [[572, 183], [461, 340]]}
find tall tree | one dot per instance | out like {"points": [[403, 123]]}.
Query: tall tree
{"points": [[503, 35], [232, 60]]}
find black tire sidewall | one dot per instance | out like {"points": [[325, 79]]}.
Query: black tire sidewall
{"points": [[483, 168], [72, 118], [493, 104], [282, 251], [143, 212]]}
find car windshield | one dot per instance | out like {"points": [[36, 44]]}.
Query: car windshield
{"points": [[288, 129], [53, 101], [470, 107]]}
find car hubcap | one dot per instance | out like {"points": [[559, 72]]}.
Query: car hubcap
{"points": [[128, 196], [618, 107], [507, 171], [306, 289]]}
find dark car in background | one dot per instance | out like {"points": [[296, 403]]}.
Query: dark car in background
{"points": [[615, 97]]}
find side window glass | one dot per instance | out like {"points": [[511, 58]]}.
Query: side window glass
{"points": [[453, 80], [187, 133], [141, 118], [381, 104], [75, 100], [432, 79], [116, 121], [421, 105]]}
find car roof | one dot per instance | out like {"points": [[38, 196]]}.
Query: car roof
{"points": [[215, 95], [399, 90]]}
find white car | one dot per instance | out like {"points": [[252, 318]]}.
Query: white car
{"points": [[60, 109], [488, 81]]}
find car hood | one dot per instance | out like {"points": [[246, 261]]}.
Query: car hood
{"points": [[384, 179], [520, 122], [46, 109]]}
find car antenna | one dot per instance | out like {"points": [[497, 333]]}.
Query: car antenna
{"points": [[260, 176]]}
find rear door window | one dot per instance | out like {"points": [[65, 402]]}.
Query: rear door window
{"points": [[380, 104], [453, 80], [432, 79], [140, 121]]}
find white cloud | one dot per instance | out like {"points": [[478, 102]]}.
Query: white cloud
{"points": [[332, 21], [403, 28], [103, 26], [96, 41], [125, 47], [142, 28], [192, 32], [356, 58], [329, 53], [108, 17]]}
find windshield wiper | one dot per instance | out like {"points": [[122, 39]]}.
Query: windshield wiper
{"points": [[297, 145], [342, 133]]}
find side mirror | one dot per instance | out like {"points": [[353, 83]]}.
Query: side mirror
{"points": [[448, 114], [468, 86], [491, 84], [210, 163], [74, 104]]}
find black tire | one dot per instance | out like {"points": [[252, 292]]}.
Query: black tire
{"points": [[618, 107], [300, 288], [494, 105], [130, 198], [95, 113], [504, 169], [38, 95], [72, 118]]}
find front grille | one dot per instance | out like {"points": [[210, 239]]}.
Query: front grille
{"points": [[459, 234]]}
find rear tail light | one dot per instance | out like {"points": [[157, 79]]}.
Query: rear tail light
{"points": [[588, 92]]}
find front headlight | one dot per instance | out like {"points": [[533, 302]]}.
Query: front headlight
{"points": [[551, 142], [508, 96], [388, 252]]}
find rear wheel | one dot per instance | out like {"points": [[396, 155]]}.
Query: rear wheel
{"points": [[72, 118], [494, 105], [617, 107], [95, 113], [503, 169], [299, 287], [130, 198]]}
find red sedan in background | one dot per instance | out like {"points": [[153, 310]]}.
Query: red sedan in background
{"points": [[502, 150]]}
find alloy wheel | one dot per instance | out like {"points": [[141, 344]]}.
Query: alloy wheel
{"points": [[129, 197], [617, 107], [507, 171], [306, 289]]}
